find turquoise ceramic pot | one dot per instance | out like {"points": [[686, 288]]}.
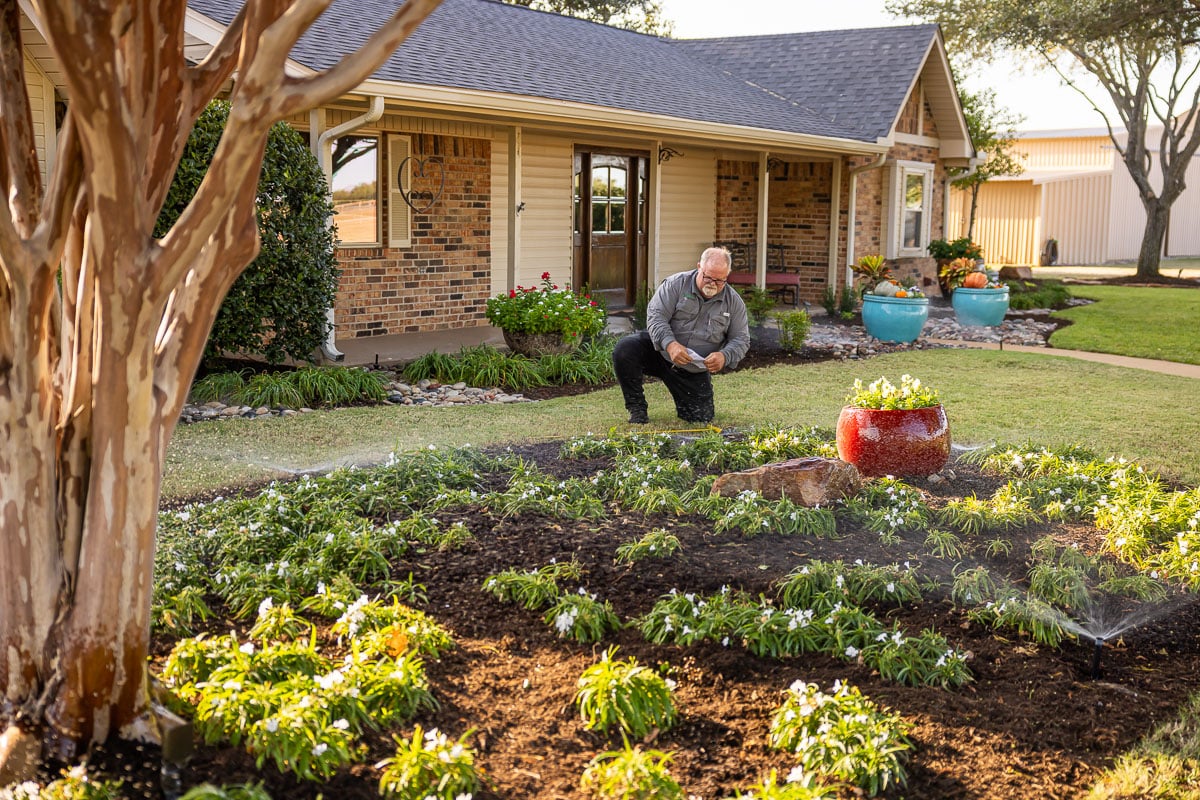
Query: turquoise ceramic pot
{"points": [[894, 319], [980, 306]]}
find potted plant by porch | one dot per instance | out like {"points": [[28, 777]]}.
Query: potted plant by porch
{"points": [[978, 300], [546, 320], [886, 429], [945, 251], [891, 312]]}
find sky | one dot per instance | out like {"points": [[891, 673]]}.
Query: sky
{"points": [[1038, 95]]}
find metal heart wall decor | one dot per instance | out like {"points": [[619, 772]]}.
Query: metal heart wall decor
{"points": [[420, 194]]}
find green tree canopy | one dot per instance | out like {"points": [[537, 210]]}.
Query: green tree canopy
{"points": [[644, 16], [1143, 53]]}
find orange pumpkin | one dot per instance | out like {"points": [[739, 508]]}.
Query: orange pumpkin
{"points": [[901, 293], [976, 280]]}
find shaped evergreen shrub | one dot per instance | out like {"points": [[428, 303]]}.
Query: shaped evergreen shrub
{"points": [[276, 309]]}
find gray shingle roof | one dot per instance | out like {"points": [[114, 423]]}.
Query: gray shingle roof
{"points": [[490, 46], [860, 77]]}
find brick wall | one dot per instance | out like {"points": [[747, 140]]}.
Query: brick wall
{"points": [[797, 216], [444, 279]]}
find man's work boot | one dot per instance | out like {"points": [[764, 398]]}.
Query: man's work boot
{"points": [[638, 416]]}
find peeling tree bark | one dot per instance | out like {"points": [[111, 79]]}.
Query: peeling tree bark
{"points": [[93, 374]]}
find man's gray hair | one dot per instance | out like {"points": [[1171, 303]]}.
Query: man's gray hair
{"points": [[714, 255]]}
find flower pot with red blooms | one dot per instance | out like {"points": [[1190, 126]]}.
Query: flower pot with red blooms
{"points": [[546, 320], [890, 430]]}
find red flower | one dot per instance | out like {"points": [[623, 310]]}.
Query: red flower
{"points": [[555, 286], [545, 276], [512, 292]]}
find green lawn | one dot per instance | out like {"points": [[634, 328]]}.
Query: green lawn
{"points": [[1134, 321], [989, 396]]}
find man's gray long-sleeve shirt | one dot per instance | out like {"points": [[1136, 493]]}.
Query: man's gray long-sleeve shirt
{"points": [[679, 313]]}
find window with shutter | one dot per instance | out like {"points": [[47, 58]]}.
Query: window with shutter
{"points": [[400, 177]]}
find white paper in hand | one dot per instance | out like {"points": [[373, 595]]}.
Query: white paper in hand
{"points": [[696, 358]]}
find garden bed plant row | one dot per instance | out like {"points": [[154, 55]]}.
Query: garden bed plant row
{"points": [[332, 650]]}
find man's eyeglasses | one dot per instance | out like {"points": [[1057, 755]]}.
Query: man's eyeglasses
{"points": [[713, 281]]}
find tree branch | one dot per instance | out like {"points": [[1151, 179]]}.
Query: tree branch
{"points": [[205, 79], [300, 94]]}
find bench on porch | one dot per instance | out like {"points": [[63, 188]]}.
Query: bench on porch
{"points": [[743, 267]]}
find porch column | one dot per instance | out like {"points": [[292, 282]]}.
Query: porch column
{"points": [[514, 207], [835, 214], [764, 196], [654, 198]]}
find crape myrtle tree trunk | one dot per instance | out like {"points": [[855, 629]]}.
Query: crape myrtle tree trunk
{"points": [[102, 325]]}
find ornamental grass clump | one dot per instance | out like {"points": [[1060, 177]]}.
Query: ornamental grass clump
{"points": [[842, 735], [548, 309], [626, 696]]}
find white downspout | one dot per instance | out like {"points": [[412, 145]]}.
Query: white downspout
{"points": [[972, 168], [852, 210], [325, 154]]}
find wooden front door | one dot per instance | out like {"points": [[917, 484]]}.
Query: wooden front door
{"points": [[610, 224]]}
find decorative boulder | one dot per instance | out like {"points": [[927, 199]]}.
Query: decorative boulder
{"points": [[808, 482], [1016, 273]]}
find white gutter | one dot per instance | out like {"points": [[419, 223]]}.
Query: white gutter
{"points": [[972, 168], [854, 171], [504, 108], [325, 154]]}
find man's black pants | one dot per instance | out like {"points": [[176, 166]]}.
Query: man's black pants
{"points": [[635, 357]]}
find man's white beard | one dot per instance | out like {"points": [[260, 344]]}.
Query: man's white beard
{"points": [[710, 291]]}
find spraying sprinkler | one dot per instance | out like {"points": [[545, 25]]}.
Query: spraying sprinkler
{"points": [[1096, 658]]}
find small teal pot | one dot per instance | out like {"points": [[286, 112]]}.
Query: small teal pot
{"points": [[977, 307], [894, 319]]}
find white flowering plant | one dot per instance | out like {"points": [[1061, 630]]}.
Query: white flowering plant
{"points": [[883, 394], [582, 617], [533, 589], [843, 735], [630, 773], [799, 785], [659, 543], [429, 766], [625, 696]]}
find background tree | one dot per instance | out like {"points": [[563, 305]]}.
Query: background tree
{"points": [[102, 324], [644, 16], [277, 307], [1144, 54], [991, 128]]}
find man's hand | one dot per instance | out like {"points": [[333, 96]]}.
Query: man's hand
{"points": [[714, 361], [678, 354]]}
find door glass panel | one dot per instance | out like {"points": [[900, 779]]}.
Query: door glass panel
{"points": [[599, 223], [617, 216]]}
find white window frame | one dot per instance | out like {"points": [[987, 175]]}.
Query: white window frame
{"points": [[378, 190], [900, 172]]}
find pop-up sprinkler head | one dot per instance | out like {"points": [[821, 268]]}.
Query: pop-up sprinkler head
{"points": [[1096, 658]]}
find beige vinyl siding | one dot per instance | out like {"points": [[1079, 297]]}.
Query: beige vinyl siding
{"points": [[687, 219], [546, 243], [41, 105], [1005, 221], [500, 211], [1076, 214]]}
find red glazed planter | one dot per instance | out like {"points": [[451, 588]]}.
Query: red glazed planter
{"points": [[902, 442]]}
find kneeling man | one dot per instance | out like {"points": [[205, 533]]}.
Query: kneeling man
{"points": [[696, 325]]}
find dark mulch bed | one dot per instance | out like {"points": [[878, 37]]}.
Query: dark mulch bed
{"points": [[1033, 723]]}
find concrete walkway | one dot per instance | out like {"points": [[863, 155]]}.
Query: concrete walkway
{"points": [[1166, 367]]}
